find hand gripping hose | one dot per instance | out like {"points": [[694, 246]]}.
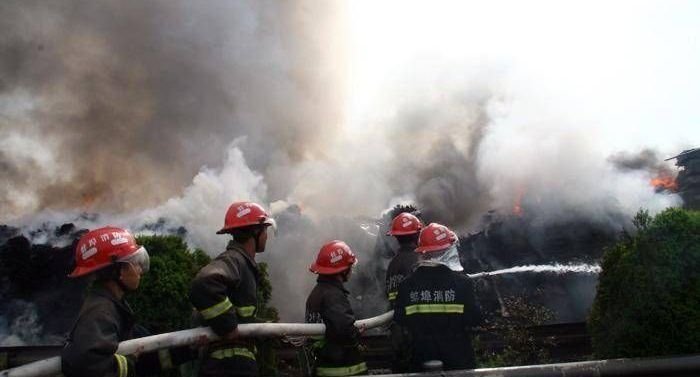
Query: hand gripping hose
{"points": [[52, 366]]}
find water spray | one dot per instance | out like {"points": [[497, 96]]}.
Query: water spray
{"points": [[556, 268]]}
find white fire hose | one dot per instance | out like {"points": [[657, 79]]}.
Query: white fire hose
{"points": [[197, 335]]}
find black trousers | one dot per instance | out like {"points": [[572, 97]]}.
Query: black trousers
{"points": [[235, 366]]}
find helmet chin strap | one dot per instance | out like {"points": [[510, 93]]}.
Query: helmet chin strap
{"points": [[344, 275], [257, 239], [118, 278], [122, 286], [117, 274]]}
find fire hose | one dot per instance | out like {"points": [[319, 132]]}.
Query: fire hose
{"points": [[197, 335]]}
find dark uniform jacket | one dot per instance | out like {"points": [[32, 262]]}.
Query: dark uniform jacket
{"points": [[91, 348], [399, 268], [224, 292], [338, 353], [90, 351], [437, 307]]}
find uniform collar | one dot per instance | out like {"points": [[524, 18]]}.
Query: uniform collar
{"points": [[406, 248], [432, 267], [101, 290], [235, 246], [332, 281]]}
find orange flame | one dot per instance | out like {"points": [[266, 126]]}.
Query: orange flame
{"points": [[664, 182], [88, 200], [517, 203]]}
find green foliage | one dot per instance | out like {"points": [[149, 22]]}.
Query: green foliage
{"points": [[162, 303], [648, 297], [515, 328]]}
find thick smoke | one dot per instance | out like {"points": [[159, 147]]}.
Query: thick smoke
{"points": [[647, 161], [165, 112], [115, 106], [437, 161], [556, 169], [20, 326]]}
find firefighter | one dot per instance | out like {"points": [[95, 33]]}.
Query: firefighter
{"points": [[436, 303], [224, 292], [338, 352], [116, 262], [405, 228]]}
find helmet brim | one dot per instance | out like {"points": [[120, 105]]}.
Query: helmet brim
{"points": [[82, 271], [402, 232], [322, 270], [267, 221], [431, 249]]}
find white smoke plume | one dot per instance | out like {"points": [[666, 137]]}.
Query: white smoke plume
{"points": [[24, 328], [201, 204], [172, 110]]}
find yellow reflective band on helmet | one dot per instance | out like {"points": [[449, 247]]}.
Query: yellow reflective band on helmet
{"points": [[217, 310], [164, 357], [245, 311], [231, 352], [434, 308], [392, 295], [122, 364], [341, 371]]}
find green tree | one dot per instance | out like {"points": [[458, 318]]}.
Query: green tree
{"points": [[162, 302], [648, 297]]}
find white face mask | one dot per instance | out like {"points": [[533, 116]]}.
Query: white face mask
{"points": [[448, 258]]}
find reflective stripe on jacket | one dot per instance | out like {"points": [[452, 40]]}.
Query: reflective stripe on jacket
{"points": [[91, 348], [224, 292], [342, 371], [338, 353], [437, 307], [103, 322]]}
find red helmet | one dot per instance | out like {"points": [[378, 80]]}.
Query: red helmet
{"points": [[435, 237], [242, 214], [104, 246], [334, 257], [404, 224]]}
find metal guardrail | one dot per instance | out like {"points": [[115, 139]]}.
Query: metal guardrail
{"points": [[671, 366]]}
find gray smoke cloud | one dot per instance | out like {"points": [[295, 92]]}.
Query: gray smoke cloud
{"points": [[116, 105], [167, 111], [444, 141], [20, 325], [646, 160]]}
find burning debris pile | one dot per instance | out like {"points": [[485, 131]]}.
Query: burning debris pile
{"points": [[39, 300], [688, 181], [553, 265]]}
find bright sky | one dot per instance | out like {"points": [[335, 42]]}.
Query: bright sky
{"points": [[629, 70]]}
